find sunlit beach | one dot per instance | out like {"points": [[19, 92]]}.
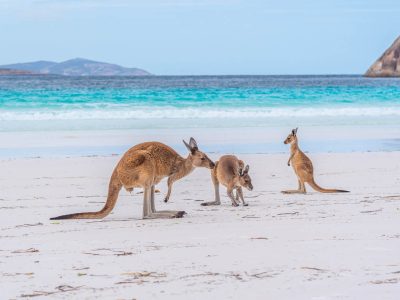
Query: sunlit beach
{"points": [[199, 149]]}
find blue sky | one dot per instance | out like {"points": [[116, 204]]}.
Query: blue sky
{"points": [[203, 37]]}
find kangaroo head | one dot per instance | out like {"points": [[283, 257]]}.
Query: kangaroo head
{"points": [[292, 137], [244, 178], [198, 158]]}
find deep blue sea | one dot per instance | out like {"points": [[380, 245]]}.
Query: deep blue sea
{"points": [[84, 103]]}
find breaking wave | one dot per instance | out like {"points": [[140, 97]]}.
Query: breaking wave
{"points": [[195, 113]]}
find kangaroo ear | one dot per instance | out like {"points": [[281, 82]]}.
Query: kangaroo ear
{"points": [[246, 170], [193, 144], [187, 146], [294, 131]]}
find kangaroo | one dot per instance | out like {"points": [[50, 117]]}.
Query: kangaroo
{"points": [[145, 165], [303, 168], [229, 172], [178, 174]]}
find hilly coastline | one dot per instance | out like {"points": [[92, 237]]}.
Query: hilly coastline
{"points": [[72, 67], [14, 72]]}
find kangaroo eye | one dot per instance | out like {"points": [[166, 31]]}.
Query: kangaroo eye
{"points": [[203, 158]]}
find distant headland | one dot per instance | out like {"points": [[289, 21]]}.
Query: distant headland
{"points": [[388, 65], [14, 72], [72, 67]]}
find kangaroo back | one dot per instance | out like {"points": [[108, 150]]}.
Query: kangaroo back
{"points": [[113, 190]]}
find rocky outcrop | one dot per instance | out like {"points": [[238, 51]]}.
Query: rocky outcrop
{"points": [[77, 67], [388, 65]]}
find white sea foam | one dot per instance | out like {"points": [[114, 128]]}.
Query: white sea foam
{"points": [[195, 113]]}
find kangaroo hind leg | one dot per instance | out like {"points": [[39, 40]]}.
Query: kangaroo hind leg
{"points": [[230, 195], [172, 213], [149, 211], [217, 200], [300, 190], [239, 192]]}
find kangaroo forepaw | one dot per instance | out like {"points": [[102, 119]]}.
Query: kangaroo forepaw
{"points": [[165, 199], [245, 204]]}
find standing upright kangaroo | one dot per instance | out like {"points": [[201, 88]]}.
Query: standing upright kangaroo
{"points": [[303, 168], [145, 165], [230, 172]]}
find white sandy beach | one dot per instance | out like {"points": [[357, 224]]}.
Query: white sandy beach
{"points": [[82, 82], [314, 246]]}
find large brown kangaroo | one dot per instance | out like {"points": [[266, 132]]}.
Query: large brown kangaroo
{"points": [[303, 168], [231, 173], [145, 165]]}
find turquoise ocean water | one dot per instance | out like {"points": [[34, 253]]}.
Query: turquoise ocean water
{"points": [[52, 103], [56, 102]]}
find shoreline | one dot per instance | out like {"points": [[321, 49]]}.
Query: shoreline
{"points": [[339, 147], [244, 140]]}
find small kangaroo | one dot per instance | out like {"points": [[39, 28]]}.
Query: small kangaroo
{"points": [[303, 168], [229, 172], [145, 165]]}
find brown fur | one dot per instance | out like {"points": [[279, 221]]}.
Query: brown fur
{"points": [[144, 166], [231, 173], [303, 168]]}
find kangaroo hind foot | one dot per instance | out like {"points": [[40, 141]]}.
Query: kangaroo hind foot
{"points": [[149, 211], [211, 203], [293, 192], [166, 214]]}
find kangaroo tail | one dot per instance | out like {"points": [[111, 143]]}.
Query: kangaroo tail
{"points": [[113, 190], [322, 190]]}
